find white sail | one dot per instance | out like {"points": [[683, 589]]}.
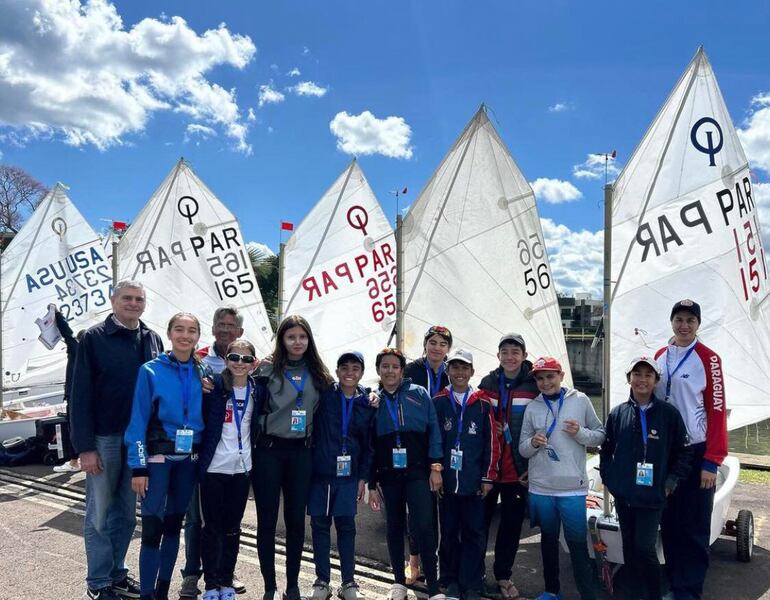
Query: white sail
{"points": [[475, 259], [107, 241], [340, 270], [186, 248], [56, 258], [685, 225]]}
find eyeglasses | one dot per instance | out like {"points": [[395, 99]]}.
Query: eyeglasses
{"points": [[246, 359]]}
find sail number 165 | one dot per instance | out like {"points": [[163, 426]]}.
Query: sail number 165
{"points": [[531, 252]]}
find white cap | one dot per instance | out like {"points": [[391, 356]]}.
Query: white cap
{"points": [[648, 360], [460, 354]]}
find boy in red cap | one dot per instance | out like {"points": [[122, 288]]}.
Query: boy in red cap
{"points": [[558, 427]]}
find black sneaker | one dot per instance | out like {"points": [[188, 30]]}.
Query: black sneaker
{"points": [[128, 588], [104, 593]]}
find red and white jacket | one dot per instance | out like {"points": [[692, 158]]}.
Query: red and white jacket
{"points": [[698, 391]]}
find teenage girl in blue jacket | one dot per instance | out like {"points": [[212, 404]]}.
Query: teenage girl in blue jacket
{"points": [[162, 440]]}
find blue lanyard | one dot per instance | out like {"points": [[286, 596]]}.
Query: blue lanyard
{"points": [[502, 405], [555, 414], [459, 416], [239, 416], [434, 384], [347, 411], [391, 403], [299, 387], [669, 374], [185, 376], [643, 420]]}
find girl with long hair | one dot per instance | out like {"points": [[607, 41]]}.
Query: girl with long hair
{"points": [[295, 376]]}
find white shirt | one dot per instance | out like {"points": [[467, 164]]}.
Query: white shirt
{"points": [[227, 459]]}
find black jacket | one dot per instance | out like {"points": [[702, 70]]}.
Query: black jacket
{"points": [[417, 371], [106, 368], [214, 408], [327, 435], [623, 449]]}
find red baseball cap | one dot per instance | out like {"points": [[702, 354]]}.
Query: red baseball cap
{"points": [[546, 363]]}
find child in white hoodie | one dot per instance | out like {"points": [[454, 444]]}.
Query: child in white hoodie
{"points": [[558, 426]]}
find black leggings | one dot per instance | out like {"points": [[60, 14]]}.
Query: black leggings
{"points": [[397, 495], [284, 467], [223, 501]]}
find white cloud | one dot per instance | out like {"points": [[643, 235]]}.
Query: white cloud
{"points": [[309, 88], [269, 95], [593, 167], [305, 50], [560, 107], [555, 191], [270, 129], [262, 247], [755, 135], [366, 134], [274, 67], [200, 130], [251, 116], [71, 70], [576, 258], [295, 72]]}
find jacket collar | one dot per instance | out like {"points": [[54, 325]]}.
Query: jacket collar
{"points": [[111, 327]]}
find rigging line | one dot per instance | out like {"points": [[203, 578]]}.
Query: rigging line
{"points": [[471, 135], [170, 180], [654, 181], [460, 341], [323, 236], [52, 193]]}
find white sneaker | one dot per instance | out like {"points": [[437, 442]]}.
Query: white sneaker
{"points": [[66, 468], [397, 592], [438, 597]]}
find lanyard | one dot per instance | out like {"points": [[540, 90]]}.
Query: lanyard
{"points": [[555, 414], [391, 403], [502, 405], [459, 416], [347, 411], [669, 374], [434, 384], [185, 376], [239, 415], [299, 387], [643, 420]]}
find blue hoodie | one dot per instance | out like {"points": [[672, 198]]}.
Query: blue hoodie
{"points": [[157, 412]]}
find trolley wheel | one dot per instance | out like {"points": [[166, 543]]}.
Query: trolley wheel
{"points": [[744, 528], [50, 459]]}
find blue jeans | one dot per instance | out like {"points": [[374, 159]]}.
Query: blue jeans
{"points": [[346, 545], [551, 513], [110, 515]]}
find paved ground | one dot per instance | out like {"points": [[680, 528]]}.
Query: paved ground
{"points": [[41, 551]]}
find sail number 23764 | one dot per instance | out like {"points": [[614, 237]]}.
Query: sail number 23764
{"points": [[532, 255]]}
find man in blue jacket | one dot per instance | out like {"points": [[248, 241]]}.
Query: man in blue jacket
{"points": [[108, 360], [471, 458], [341, 461]]}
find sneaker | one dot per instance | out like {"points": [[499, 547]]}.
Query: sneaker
{"points": [[128, 588], [437, 597], [292, 594], [349, 591], [453, 592], [189, 587], [66, 468], [549, 596], [227, 593], [508, 591], [397, 592], [238, 586], [104, 593], [211, 595], [321, 590], [270, 595]]}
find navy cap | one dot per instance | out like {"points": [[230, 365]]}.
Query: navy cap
{"points": [[351, 355], [686, 305]]}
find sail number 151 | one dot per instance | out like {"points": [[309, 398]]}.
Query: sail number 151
{"points": [[531, 253]]}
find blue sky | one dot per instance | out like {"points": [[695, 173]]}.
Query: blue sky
{"points": [[107, 101]]}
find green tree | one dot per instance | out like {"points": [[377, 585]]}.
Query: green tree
{"points": [[265, 267]]}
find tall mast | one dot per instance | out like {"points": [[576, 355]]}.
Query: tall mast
{"points": [[400, 282], [606, 346], [281, 255]]}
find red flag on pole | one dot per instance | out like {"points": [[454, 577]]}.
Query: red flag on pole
{"points": [[119, 225], [286, 226]]}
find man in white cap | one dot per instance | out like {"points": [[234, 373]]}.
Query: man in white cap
{"points": [[643, 458]]}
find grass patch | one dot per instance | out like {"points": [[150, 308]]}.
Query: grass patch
{"points": [[755, 477]]}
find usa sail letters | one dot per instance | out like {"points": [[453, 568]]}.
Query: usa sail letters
{"points": [[81, 281], [222, 250]]}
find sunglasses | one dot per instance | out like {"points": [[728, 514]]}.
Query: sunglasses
{"points": [[246, 359], [393, 351], [438, 329]]}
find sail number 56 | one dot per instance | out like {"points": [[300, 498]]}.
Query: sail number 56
{"points": [[531, 251]]}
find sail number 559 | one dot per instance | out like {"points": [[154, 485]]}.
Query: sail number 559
{"points": [[531, 252]]}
